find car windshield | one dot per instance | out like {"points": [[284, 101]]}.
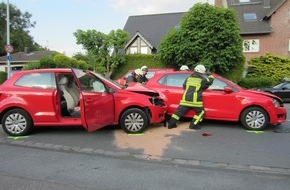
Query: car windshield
{"points": [[279, 85], [80, 73]]}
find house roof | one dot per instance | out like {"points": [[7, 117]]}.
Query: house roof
{"points": [[263, 10], [27, 56], [152, 27]]}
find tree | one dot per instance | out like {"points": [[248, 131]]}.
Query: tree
{"points": [[207, 35], [19, 28], [103, 47]]}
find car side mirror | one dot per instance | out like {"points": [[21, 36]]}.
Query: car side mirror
{"points": [[228, 89], [111, 90]]}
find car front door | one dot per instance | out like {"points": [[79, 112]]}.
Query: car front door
{"points": [[97, 104]]}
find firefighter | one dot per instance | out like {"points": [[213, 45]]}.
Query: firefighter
{"points": [[143, 79], [193, 86]]}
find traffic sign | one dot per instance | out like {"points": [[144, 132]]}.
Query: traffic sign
{"points": [[9, 48]]}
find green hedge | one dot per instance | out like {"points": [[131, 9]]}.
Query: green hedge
{"points": [[257, 82], [269, 65], [134, 61], [3, 76]]}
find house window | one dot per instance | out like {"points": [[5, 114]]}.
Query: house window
{"points": [[251, 45], [144, 50], [248, 17], [133, 50], [245, 1], [289, 45]]}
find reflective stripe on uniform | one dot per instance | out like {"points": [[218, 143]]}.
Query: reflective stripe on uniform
{"points": [[175, 116], [198, 118]]}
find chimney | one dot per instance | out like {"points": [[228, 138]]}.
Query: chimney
{"points": [[267, 4], [221, 3], [26, 50]]}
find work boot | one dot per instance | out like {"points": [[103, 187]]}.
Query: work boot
{"points": [[172, 123], [193, 126]]}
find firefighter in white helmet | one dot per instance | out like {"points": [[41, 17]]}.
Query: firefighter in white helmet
{"points": [[193, 86]]}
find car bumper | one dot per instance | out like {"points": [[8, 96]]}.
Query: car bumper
{"points": [[278, 115], [158, 114]]}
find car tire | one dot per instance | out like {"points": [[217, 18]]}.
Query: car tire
{"points": [[134, 120], [17, 122], [254, 118]]}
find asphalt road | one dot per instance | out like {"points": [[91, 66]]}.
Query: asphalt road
{"points": [[26, 168], [229, 144]]}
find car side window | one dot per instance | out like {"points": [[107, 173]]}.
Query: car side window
{"points": [[287, 86], [217, 85], [37, 80], [92, 84], [173, 80]]}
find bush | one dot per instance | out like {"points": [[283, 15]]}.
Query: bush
{"points": [[134, 61], [3, 76], [270, 65], [257, 82]]}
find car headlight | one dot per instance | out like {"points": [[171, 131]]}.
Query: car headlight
{"points": [[276, 102], [157, 101]]}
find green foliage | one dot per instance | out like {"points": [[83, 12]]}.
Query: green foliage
{"points": [[257, 82], [31, 65], [207, 35], [3, 76], [134, 61], [103, 48], [236, 73], [57, 61], [19, 28], [269, 65], [47, 62]]}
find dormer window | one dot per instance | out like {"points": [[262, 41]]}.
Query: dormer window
{"points": [[245, 1], [248, 17]]}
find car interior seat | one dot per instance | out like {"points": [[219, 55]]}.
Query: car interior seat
{"points": [[70, 102]]}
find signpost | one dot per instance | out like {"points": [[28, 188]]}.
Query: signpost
{"points": [[8, 48]]}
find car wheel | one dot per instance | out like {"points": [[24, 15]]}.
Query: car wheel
{"points": [[254, 118], [134, 120], [17, 122]]}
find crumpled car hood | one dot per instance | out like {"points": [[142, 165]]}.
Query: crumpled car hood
{"points": [[139, 88]]}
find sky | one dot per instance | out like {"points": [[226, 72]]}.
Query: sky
{"points": [[57, 20]]}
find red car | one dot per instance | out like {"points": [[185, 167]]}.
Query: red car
{"points": [[223, 100], [72, 97]]}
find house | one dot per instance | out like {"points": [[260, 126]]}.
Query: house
{"points": [[264, 24], [19, 59], [146, 31]]}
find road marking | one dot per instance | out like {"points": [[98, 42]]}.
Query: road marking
{"points": [[17, 137], [135, 134], [256, 132]]}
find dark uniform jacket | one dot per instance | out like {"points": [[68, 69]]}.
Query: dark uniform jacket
{"points": [[193, 86], [131, 78], [142, 79]]}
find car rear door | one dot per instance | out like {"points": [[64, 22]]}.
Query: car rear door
{"points": [[97, 104]]}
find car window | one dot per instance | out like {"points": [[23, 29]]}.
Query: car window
{"points": [[37, 80], [91, 83], [286, 86], [217, 85], [173, 80], [178, 79]]}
